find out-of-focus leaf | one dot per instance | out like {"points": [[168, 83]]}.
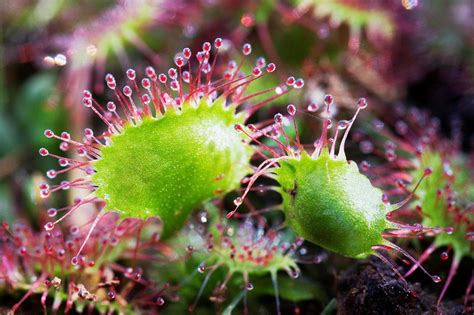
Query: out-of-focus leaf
{"points": [[373, 19], [6, 209], [44, 11], [330, 308], [264, 10], [8, 139], [294, 45], [7, 135], [295, 290], [36, 109], [228, 310]]}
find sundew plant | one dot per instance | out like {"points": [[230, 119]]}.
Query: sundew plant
{"points": [[236, 157]]}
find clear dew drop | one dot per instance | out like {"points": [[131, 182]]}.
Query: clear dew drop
{"points": [[137, 277], [257, 72], [247, 49], [364, 165], [22, 251], [366, 147], [238, 201], [51, 174], [278, 118], [444, 256], [328, 100], [290, 81], [75, 261], [390, 155], [291, 109], [362, 103], [129, 272], [378, 124], [271, 67], [201, 268], [312, 108], [49, 226], [329, 125], [189, 249], [299, 84], [260, 62], [52, 212], [470, 236], [74, 230], [160, 301], [409, 4], [343, 124], [111, 295], [60, 60], [238, 127], [43, 152], [203, 217]]}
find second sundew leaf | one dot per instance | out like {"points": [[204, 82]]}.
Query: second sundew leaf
{"points": [[333, 215], [167, 167], [326, 199]]}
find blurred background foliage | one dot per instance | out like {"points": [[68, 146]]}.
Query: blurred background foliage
{"points": [[417, 52]]}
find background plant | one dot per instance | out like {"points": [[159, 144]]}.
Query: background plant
{"points": [[424, 60]]}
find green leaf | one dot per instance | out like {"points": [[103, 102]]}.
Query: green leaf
{"points": [[167, 167]]}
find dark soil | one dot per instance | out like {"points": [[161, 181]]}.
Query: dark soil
{"points": [[372, 287]]}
